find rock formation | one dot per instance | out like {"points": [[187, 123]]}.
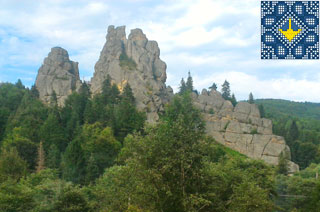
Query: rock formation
{"points": [[241, 128], [58, 75], [135, 61]]}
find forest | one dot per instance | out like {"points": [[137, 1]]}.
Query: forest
{"points": [[98, 154]]}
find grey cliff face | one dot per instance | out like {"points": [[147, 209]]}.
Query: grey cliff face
{"points": [[136, 61], [241, 128], [57, 74]]}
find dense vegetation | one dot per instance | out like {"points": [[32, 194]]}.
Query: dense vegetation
{"points": [[98, 154], [299, 123]]}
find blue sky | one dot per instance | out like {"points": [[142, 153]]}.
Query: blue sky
{"points": [[214, 39]]}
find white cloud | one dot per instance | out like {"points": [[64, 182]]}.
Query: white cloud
{"points": [[216, 39], [281, 88]]}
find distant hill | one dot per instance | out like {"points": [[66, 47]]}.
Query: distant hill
{"points": [[295, 109]]}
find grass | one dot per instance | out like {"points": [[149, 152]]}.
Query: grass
{"points": [[126, 62]]}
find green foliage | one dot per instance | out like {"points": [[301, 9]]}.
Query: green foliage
{"points": [[233, 100], [299, 192], [183, 87], [174, 167], [11, 165], [73, 162], [282, 165], [100, 148], [30, 115], [72, 200], [10, 99], [254, 131], [127, 118], [127, 63], [52, 133], [15, 197], [189, 83], [251, 99], [248, 196], [304, 110], [186, 87], [213, 87], [27, 149], [261, 111], [297, 123], [225, 90], [72, 114]]}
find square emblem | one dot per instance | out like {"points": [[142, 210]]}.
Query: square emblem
{"points": [[289, 29]]}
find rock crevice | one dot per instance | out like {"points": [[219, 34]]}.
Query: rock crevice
{"points": [[136, 61]]}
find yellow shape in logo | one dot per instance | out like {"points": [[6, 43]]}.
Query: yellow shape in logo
{"points": [[290, 34]]}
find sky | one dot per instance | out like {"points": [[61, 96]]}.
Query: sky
{"points": [[215, 40]]}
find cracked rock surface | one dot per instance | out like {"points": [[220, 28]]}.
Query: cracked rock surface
{"points": [[141, 67], [136, 61], [241, 128], [58, 74]]}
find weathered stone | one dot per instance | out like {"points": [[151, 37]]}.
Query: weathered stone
{"points": [[146, 76], [57, 74], [136, 61], [241, 128]]}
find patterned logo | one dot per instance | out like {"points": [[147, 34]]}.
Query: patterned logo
{"points": [[289, 29]]}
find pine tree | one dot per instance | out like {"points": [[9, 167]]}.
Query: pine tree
{"points": [[84, 90], [41, 158], [53, 157], [19, 84], [73, 163], [189, 83], [226, 90], [183, 87], [11, 165], [293, 133], [213, 87], [127, 94], [233, 100], [251, 99]]}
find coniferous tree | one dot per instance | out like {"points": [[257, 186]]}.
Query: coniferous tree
{"points": [[127, 118], [225, 91], [52, 132], [293, 133], [183, 87], [189, 83], [251, 99], [73, 163], [233, 100], [11, 165], [53, 157], [26, 149], [213, 87], [19, 84]]}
